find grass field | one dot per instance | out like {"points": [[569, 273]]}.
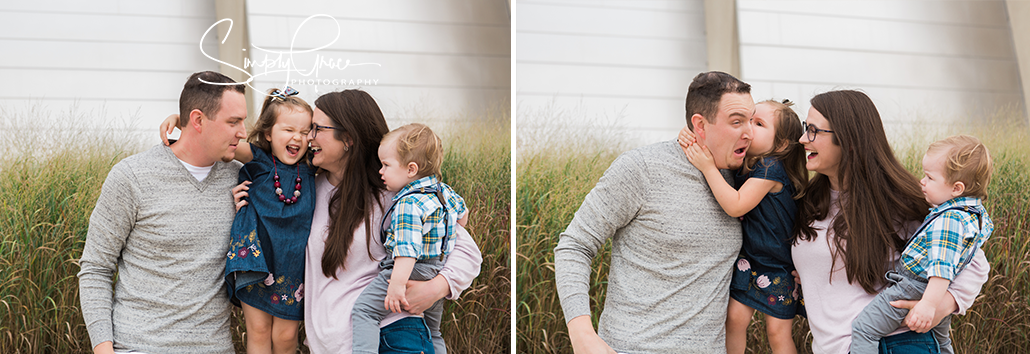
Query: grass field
{"points": [[50, 180], [552, 182]]}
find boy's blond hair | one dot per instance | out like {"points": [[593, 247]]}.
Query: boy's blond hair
{"points": [[966, 160], [417, 143]]}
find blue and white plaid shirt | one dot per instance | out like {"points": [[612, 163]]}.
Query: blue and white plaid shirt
{"points": [[948, 243], [417, 225]]}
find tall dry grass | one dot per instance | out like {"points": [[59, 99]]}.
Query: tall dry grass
{"points": [[552, 182], [51, 171]]}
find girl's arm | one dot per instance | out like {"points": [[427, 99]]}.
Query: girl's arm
{"points": [[735, 203], [243, 153]]}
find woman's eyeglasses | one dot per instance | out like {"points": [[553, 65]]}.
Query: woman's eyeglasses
{"points": [[813, 131], [315, 128]]}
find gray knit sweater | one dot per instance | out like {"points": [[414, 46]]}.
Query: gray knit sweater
{"points": [[166, 235], [673, 248]]}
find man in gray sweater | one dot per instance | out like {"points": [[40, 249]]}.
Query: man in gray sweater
{"points": [[162, 222], [672, 245]]}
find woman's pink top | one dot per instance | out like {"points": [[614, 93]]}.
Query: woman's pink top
{"points": [[832, 303], [328, 302]]}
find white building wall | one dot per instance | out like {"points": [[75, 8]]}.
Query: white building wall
{"points": [[592, 65], [434, 60], [920, 61], [119, 63]]}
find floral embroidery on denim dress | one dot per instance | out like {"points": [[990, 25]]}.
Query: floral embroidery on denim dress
{"points": [[265, 262], [761, 277]]}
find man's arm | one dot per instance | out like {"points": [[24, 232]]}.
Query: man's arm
{"points": [[609, 206], [109, 225]]}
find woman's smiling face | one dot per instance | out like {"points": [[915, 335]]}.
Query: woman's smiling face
{"points": [[823, 155], [328, 152]]}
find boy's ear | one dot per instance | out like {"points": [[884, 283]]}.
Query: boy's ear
{"points": [[412, 169], [957, 189], [699, 127]]}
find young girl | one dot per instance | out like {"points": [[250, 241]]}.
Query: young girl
{"points": [[264, 269], [768, 183]]}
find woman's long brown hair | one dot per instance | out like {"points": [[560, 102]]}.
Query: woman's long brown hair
{"points": [[878, 196], [352, 203]]}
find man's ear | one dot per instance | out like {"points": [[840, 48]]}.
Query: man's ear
{"points": [[699, 123], [957, 189], [196, 120], [412, 169]]}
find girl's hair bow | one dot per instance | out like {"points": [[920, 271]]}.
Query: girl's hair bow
{"points": [[283, 94]]}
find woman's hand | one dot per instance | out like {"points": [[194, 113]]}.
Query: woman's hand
{"points": [[239, 192], [920, 316], [945, 308], [168, 126], [422, 294]]}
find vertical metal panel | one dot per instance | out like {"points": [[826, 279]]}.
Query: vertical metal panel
{"points": [[921, 62]]}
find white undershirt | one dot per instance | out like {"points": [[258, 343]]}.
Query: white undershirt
{"points": [[200, 173]]}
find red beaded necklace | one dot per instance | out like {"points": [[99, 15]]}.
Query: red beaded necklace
{"points": [[279, 191]]}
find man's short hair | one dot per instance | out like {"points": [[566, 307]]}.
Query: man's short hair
{"points": [[706, 91], [200, 92]]}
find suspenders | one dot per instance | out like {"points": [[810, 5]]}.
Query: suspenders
{"points": [[967, 208], [435, 189]]}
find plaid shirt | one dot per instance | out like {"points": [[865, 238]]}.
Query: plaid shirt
{"points": [[947, 244], [417, 224]]}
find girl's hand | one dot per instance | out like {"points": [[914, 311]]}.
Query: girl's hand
{"points": [[239, 192], [167, 127], [395, 298], [686, 138], [920, 318], [700, 157]]}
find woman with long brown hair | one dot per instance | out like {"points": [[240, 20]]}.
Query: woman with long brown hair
{"points": [[853, 221], [344, 249]]}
